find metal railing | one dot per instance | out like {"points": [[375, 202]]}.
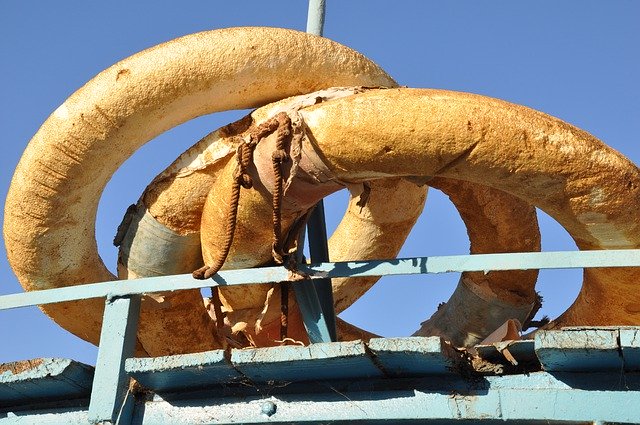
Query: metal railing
{"points": [[122, 301]]}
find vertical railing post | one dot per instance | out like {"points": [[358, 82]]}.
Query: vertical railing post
{"points": [[110, 399], [318, 247], [313, 316]]}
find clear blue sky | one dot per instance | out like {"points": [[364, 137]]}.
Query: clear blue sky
{"points": [[577, 60]]}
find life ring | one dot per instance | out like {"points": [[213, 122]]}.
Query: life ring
{"points": [[49, 243], [419, 132], [67, 164], [377, 228]]}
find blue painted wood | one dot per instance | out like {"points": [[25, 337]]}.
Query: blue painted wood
{"points": [[585, 350], [66, 416], [536, 397], [630, 346], [324, 361], [406, 266], [183, 372], [333, 382], [414, 356], [43, 379], [109, 394]]}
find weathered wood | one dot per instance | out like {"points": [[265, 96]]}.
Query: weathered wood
{"points": [[415, 356], [630, 347], [574, 350], [324, 361], [43, 379], [183, 372]]}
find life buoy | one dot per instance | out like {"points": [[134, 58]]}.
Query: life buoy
{"points": [[418, 132], [375, 228], [64, 169], [68, 162]]}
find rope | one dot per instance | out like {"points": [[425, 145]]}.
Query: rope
{"points": [[241, 178], [244, 156], [217, 310], [278, 157]]}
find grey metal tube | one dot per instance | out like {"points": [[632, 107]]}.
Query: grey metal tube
{"points": [[315, 17]]}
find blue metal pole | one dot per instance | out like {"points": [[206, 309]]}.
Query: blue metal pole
{"points": [[311, 308], [316, 226], [110, 400], [398, 266], [315, 17], [319, 251]]}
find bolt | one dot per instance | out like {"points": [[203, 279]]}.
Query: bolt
{"points": [[268, 408]]}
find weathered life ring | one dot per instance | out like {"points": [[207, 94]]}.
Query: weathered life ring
{"points": [[49, 243], [67, 164], [588, 187], [377, 228]]}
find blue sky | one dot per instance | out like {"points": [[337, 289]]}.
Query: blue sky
{"points": [[577, 60]]}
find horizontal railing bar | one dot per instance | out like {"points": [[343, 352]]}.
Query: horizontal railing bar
{"points": [[400, 266]]}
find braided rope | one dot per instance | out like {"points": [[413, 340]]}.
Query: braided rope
{"points": [[244, 157]]}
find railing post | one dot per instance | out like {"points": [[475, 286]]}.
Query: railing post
{"points": [[311, 308], [110, 399]]}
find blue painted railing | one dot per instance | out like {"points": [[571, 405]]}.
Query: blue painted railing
{"points": [[123, 297], [398, 266]]}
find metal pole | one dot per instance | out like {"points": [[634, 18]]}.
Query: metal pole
{"points": [[316, 227], [110, 400], [315, 17]]}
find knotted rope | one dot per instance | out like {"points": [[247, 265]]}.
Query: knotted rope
{"points": [[241, 178]]}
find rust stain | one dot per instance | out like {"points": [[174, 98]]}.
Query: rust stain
{"points": [[20, 366], [236, 128], [122, 73]]}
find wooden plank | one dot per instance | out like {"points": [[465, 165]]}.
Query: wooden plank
{"points": [[337, 360], [48, 378], [578, 350], [414, 356], [66, 416], [538, 397], [183, 372]]}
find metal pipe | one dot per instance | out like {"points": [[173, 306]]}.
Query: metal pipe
{"points": [[316, 227], [319, 252], [315, 17], [398, 266]]}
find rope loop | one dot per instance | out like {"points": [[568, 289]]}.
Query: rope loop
{"points": [[241, 178]]}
